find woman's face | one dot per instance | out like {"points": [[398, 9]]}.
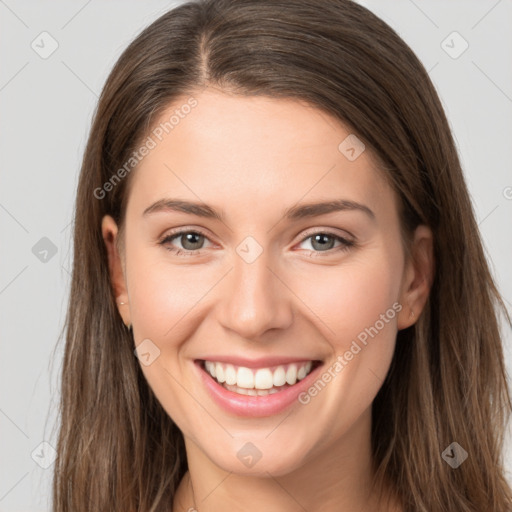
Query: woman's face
{"points": [[266, 281]]}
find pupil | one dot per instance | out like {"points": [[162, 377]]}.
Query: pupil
{"points": [[189, 239], [319, 237]]}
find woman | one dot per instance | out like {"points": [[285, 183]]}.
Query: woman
{"points": [[332, 341]]}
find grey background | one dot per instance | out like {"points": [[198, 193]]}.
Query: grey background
{"points": [[46, 109]]}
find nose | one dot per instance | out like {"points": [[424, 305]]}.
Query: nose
{"points": [[254, 299]]}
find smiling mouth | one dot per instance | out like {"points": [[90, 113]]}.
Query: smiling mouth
{"points": [[258, 381]]}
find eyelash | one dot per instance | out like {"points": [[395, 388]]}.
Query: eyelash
{"points": [[345, 244]]}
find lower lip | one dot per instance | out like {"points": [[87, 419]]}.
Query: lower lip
{"points": [[255, 406]]}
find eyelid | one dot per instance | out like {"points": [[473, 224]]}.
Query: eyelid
{"points": [[175, 233], [327, 231], [345, 241], [305, 234]]}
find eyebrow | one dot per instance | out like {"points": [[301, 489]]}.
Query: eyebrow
{"points": [[293, 213]]}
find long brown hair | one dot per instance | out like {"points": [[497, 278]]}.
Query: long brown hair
{"points": [[117, 447]]}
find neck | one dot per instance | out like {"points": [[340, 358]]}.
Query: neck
{"points": [[337, 477]]}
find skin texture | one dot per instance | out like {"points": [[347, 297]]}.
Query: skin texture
{"points": [[251, 158]]}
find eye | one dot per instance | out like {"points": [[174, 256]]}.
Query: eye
{"points": [[191, 241], [323, 241]]}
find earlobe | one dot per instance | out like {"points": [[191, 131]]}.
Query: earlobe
{"points": [[109, 232], [418, 277]]}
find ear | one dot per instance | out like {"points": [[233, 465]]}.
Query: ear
{"points": [[417, 278], [109, 232]]}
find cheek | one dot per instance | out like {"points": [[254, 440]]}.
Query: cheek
{"points": [[163, 295], [352, 296], [355, 306], [164, 304]]}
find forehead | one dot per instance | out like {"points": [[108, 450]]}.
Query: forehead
{"points": [[253, 152]]}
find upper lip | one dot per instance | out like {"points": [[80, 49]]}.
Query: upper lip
{"points": [[262, 362]]}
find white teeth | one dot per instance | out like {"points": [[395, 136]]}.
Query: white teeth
{"points": [[219, 373], [230, 374], [262, 379], [279, 377], [254, 392], [245, 378], [210, 367], [242, 391], [291, 375]]}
